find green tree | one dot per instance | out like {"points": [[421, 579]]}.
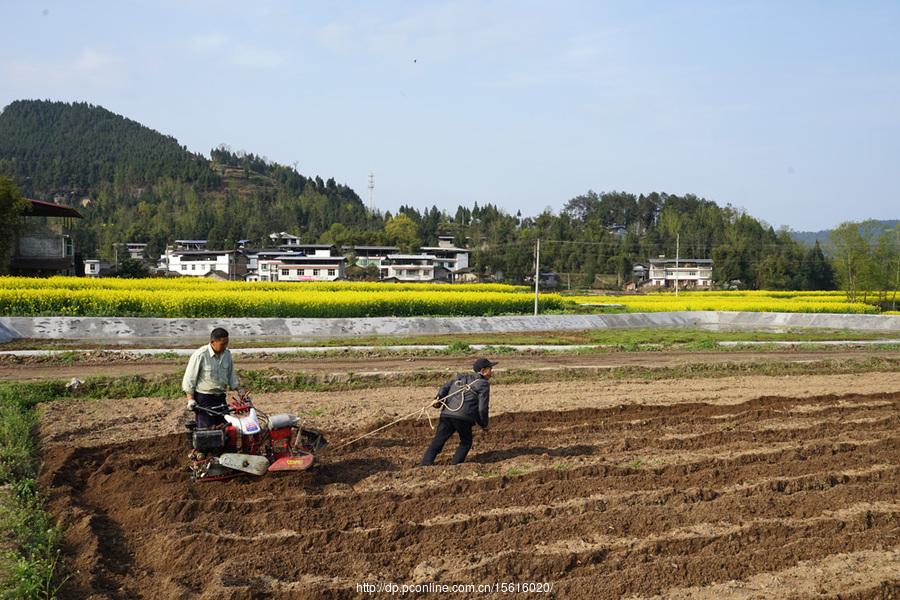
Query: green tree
{"points": [[885, 266], [12, 205], [896, 260], [729, 264], [590, 270], [815, 270], [401, 232], [132, 269], [338, 234], [851, 254]]}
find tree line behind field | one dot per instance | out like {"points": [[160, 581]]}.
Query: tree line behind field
{"points": [[133, 184]]}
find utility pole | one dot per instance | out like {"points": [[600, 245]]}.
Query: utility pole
{"points": [[677, 248], [897, 276], [371, 192], [537, 273]]}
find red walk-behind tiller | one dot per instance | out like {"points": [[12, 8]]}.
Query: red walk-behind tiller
{"points": [[250, 441]]}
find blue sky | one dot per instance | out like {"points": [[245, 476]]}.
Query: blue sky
{"points": [[790, 110]]}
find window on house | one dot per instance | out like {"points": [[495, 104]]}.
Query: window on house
{"points": [[315, 272], [264, 267], [331, 272], [285, 272], [193, 267]]}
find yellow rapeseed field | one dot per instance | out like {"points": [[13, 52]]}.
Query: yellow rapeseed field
{"points": [[199, 283], [750, 301], [198, 298]]}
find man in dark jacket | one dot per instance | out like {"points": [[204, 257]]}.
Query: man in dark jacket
{"points": [[465, 402]]}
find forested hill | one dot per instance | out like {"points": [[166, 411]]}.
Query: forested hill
{"points": [[132, 183], [811, 237], [70, 149]]}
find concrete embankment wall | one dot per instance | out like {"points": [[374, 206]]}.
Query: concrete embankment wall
{"points": [[134, 329]]}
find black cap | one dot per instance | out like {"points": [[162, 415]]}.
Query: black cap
{"points": [[482, 363]]}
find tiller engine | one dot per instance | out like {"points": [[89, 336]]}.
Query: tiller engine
{"points": [[250, 441]]}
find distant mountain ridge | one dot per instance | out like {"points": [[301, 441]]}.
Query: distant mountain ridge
{"points": [[809, 238], [52, 148], [132, 183]]}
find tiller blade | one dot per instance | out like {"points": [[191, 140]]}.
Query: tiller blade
{"points": [[248, 463], [293, 463]]}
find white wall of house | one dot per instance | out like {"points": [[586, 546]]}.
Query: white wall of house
{"points": [[314, 250], [409, 267], [135, 250], [365, 261], [665, 274], [200, 265], [373, 255], [296, 269], [91, 268], [44, 245], [284, 239], [448, 257]]}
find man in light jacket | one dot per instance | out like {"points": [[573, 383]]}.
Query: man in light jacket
{"points": [[208, 376]]}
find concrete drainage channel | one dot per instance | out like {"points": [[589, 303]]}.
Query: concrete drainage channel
{"points": [[157, 331]]}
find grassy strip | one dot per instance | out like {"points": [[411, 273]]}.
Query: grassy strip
{"points": [[94, 357], [277, 380], [607, 337], [29, 564]]}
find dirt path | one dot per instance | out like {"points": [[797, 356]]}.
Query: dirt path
{"points": [[109, 365], [739, 487]]}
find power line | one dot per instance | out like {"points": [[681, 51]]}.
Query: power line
{"points": [[657, 246]]}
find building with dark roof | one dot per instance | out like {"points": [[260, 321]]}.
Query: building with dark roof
{"points": [[42, 245]]}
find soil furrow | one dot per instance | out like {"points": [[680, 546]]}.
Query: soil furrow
{"points": [[602, 502]]}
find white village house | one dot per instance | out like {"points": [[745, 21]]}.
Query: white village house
{"points": [[225, 264], [292, 260], [690, 272], [295, 266], [371, 255], [135, 250], [43, 245], [408, 267], [447, 255]]}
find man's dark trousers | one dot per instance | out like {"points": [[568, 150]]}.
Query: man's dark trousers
{"points": [[446, 427], [215, 402]]}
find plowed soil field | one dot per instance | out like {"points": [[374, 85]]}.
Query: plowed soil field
{"points": [[780, 490]]}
